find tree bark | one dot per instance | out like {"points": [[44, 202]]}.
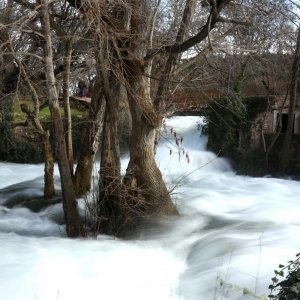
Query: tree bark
{"points": [[84, 170], [110, 174], [49, 190], [67, 109], [72, 219], [147, 192], [110, 167]]}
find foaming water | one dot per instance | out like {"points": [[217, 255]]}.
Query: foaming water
{"points": [[188, 158], [51, 268], [231, 234], [9, 175]]}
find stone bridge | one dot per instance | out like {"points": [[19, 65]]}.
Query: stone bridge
{"points": [[181, 103], [192, 103]]}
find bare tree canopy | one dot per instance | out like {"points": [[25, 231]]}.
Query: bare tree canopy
{"points": [[141, 53]]}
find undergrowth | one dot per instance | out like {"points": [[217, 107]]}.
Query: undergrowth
{"points": [[286, 282]]}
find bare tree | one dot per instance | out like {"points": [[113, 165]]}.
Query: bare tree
{"points": [[131, 53], [126, 30], [33, 116], [71, 214]]}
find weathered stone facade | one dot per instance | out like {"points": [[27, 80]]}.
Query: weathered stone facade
{"points": [[252, 136], [264, 136], [268, 122]]}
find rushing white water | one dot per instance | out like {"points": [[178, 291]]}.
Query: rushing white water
{"points": [[232, 232]]}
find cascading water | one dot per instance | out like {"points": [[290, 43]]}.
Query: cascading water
{"points": [[232, 232]]}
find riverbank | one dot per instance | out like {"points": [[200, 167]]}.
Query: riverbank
{"points": [[20, 142]]}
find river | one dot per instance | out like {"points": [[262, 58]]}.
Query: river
{"points": [[232, 233]]}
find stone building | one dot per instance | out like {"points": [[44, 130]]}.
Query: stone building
{"points": [[260, 142], [267, 123]]}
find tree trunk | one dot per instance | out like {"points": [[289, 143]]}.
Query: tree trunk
{"points": [[84, 170], [148, 194], [124, 31], [110, 168], [291, 114], [49, 190], [108, 45], [67, 109], [72, 219], [110, 174]]}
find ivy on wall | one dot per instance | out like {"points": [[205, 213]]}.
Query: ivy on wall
{"points": [[228, 116]]}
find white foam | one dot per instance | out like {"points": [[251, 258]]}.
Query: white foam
{"points": [[232, 229], [51, 268]]}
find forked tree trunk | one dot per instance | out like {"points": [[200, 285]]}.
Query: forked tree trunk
{"points": [[72, 219], [126, 26], [148, 194], [84, 170]]}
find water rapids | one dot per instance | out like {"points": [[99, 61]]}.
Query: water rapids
{"points": [[232, 233]]}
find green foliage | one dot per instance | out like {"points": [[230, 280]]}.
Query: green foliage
{"points": [[19, 150], [11, 148], [228, 117], [287, 288], [44, 113], [225, 117], [256, 105]]}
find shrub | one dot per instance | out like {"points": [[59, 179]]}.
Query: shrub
{"points": [[289, 287]]}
